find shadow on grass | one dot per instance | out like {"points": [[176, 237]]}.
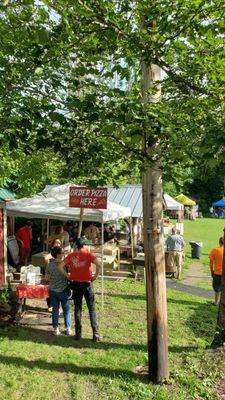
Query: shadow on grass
{"points": [[182, 349], [184, 302], [47, 324], [201, 317], [204, 253], [40, 310], [189, 289], [126, 296], [67, 368], [26, 333], [38, 336]]}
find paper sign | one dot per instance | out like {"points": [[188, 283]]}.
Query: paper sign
{"points": [[86, 197]]}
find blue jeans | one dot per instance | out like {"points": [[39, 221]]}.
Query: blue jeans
{"points": [[56, 299]]}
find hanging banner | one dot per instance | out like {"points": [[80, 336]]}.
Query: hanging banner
{"points": [[86, 197]]}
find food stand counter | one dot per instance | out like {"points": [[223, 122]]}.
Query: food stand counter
{"points": [[108, 250]]}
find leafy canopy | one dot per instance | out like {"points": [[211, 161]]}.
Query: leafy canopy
{"points": [[71, 81]]}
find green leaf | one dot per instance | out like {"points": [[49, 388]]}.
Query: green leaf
{"points": [[42, 36]]}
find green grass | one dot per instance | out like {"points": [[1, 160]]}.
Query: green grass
{"points": [[35, 365], [205, 230]]}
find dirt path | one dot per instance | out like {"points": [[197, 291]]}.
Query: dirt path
{"points": [[189, 284], [195, 275], [37, 317]]}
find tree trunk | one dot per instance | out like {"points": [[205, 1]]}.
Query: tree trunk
{"points": [[154, 250], [219, 338]]}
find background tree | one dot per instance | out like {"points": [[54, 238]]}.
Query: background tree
{"points": [[52, 94], [59, 61]]}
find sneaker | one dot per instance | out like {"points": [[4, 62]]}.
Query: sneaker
{"points": [[56, 331], [96, 338], [68, 332]]}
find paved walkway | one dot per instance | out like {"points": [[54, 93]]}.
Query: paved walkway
{"points": [[194, 275]]}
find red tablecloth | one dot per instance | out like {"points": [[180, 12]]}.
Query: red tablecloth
{"points": [[32, 291]]}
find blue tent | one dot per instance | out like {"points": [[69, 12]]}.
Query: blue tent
{"points": [[220, 203]]}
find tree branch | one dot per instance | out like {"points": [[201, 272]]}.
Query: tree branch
{"points": [[182, 82], [141, 155]]}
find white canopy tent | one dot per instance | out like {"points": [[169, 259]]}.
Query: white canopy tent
{"points": [[132, 195], [172, 204], [50, 207], [126, 196], [54, 204]]}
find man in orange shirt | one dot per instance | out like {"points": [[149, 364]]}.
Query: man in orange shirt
{"points": [[81, 276], [216, 266]]}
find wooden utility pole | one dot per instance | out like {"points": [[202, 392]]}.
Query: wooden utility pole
{"points": [[154, 245]]}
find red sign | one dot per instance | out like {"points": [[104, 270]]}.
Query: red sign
{"points": [[86, 197]]}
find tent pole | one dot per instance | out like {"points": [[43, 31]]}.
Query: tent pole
{"points": [[47, 233], [132, 237], [43, 233], [13, 226], [102, 266]]}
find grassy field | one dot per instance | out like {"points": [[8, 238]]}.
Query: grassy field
{"points": [[207, 231], [35, 365]]}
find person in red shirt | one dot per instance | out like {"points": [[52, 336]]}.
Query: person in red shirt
{"points": [[216, 266], [82, 276], [24, 236]]}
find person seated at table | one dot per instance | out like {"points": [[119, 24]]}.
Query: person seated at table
{"points": [[57, 243], [72, 229], [92, 233], [113, 233], [58, 234], [62, 235], [108, 237], [58, 290], [50, 240], [109, 234], [66, 241], [126, 230]]}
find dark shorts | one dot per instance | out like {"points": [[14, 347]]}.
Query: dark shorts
{"points": [[217, 283]]}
